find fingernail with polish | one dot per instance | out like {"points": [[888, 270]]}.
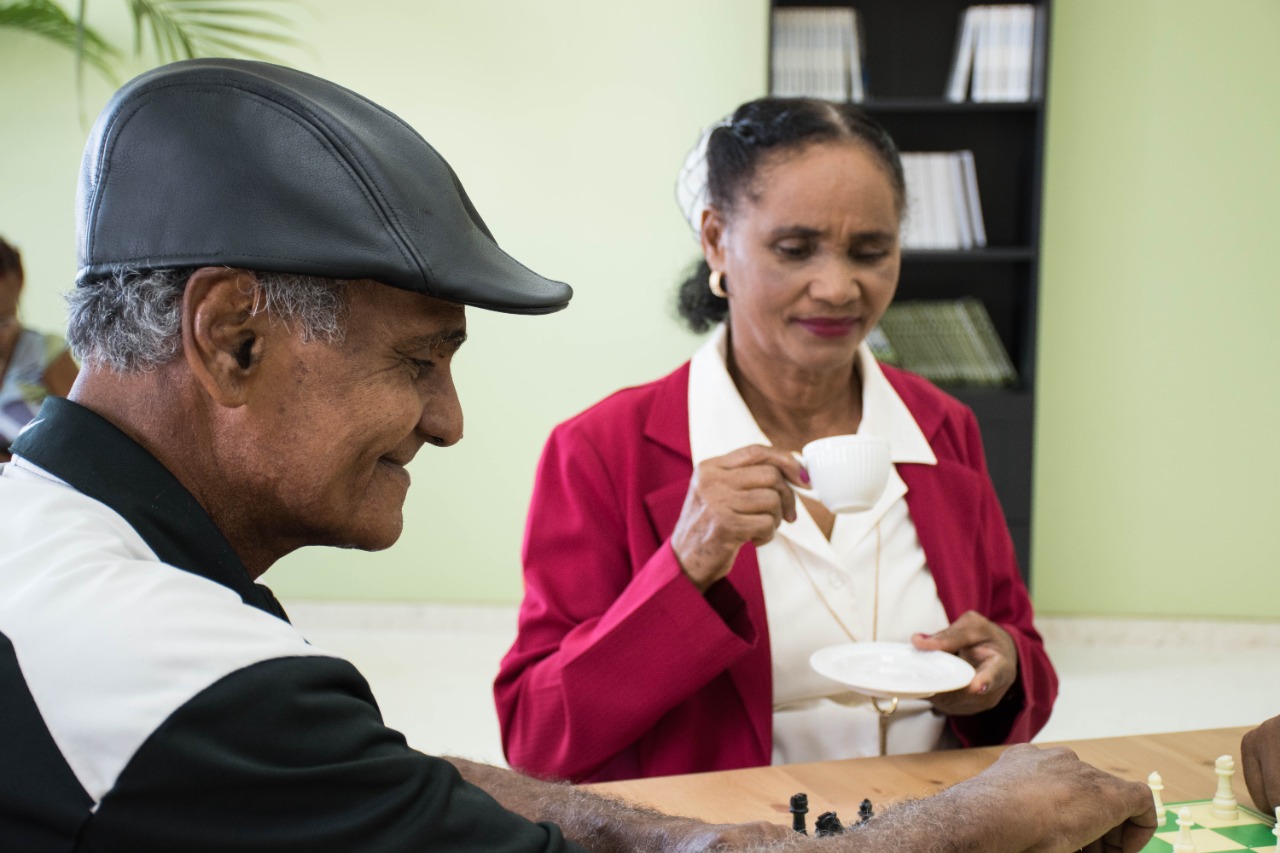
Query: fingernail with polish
{"points": [[984, 688], [804, 475]]}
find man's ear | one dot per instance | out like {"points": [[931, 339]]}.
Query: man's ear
{"points": [[712, 236], [223, 338]]}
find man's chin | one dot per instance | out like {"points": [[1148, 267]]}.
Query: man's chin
{"points": [[371, 539]]}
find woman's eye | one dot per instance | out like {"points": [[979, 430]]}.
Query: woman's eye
{"points": [[794, 250]]}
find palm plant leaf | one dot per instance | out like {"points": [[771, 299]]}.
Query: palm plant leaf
{"points": [[46, 19], [183, 29]]}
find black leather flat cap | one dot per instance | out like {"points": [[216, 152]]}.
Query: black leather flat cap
{"points": [[246, 164]]}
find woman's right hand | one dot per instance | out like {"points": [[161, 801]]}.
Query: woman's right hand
{"points": [[734, 499]]}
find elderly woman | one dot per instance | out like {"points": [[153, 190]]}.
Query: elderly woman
{"points": [[33, 365], [675, 583]]}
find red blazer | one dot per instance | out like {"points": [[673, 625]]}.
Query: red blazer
{"points": [[621, 669]]}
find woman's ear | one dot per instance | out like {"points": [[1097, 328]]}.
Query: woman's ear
{"points": [[222, 333], [712, 235]]}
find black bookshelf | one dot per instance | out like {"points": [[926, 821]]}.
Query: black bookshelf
{"points": [[908, 50]]}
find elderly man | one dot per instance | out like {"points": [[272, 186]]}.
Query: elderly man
{"points": [[272, 279]]}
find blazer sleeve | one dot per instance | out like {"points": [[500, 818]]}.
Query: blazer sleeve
{"points": [[1026, 707], [612, 635]]}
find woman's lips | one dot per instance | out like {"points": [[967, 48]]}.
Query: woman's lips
{"points": [[828, 327]]}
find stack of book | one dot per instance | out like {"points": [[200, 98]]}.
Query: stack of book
{"points": [[817, 52], [999, 55], [948, 342], [943, 208]]}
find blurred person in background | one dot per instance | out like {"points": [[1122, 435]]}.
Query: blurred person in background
{"points": [[33, 365]]}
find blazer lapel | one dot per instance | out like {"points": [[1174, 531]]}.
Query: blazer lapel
{"points": [[667, 424]]}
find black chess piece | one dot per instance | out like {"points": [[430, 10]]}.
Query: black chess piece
{"points": [[864, 812], [799, 808], [827, 824]]}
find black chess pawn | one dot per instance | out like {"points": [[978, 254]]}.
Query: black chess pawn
{"points": [[864, 812], [827, 824], [799, 808]]}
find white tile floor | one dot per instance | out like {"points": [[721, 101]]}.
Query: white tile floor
{"points": [[432, 667]]}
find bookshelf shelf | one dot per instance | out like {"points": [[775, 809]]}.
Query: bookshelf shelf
{"points": [[907, 50], [939, 105], [990, 254]]}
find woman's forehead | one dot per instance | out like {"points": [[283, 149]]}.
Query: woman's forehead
{"points": [[836, 174]]}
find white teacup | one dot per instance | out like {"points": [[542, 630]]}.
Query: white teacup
{"points": [[848, 472]]}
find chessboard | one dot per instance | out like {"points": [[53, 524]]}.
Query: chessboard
{"points": [[1249, 831]]}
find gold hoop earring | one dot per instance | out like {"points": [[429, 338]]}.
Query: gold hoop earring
{"points": [[716, 285]]}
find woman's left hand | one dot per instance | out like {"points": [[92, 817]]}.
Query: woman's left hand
{"points": [[990, 649]]}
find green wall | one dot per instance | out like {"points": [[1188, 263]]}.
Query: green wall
{"points": [[567, 121], [1157, 470]]}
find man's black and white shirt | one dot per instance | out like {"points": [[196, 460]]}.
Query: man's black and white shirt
{"points": [[153, 698]]}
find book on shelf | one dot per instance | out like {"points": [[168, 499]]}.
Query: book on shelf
{"points": [[999, 54], [817, 52], [951, 342], [944, 210]]}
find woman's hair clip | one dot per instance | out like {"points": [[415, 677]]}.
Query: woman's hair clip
{"points": [[691, 186]]}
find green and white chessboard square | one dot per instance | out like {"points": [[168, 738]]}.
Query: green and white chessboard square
{"points": [[1249, 831]]}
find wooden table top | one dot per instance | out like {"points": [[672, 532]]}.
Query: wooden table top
{"points": [[1183, 759]]}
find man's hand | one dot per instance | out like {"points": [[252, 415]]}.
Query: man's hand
{"points": [[1260, 755], [1048, 800], [990, 649]]}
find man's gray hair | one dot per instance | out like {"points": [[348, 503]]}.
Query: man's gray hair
{"points": [[130, 321]]}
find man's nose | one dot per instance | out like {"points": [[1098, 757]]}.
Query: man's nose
{"points": [[441, 422]]}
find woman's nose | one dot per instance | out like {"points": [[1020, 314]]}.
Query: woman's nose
{"points": [[836, 283]]}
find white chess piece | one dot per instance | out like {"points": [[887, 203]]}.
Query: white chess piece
{"points": [[1225, 806], [1157, 785], [1275, 830], [1183, 843]]}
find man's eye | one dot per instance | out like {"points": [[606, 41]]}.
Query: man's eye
{"points": [[421, 366], [870, 256]]}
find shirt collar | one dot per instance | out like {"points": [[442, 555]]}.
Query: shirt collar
{"points": [[720, 422], [884, 414], [91, 455]]}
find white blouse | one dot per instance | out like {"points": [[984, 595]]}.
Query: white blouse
{"points": [[870, 581]]}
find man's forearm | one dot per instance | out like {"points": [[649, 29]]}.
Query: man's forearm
{"points": [[1030, 799], [596, 822], [945, 823]]}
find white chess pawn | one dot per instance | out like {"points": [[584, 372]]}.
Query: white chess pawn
{"points": [[1157, 785], [1275, 830], [1183, 843], [1225, 806]]}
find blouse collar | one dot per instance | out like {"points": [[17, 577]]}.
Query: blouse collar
{"points": [[720, 422]]}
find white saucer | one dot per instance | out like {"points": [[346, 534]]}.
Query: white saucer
{"points": [[888, 670]]}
